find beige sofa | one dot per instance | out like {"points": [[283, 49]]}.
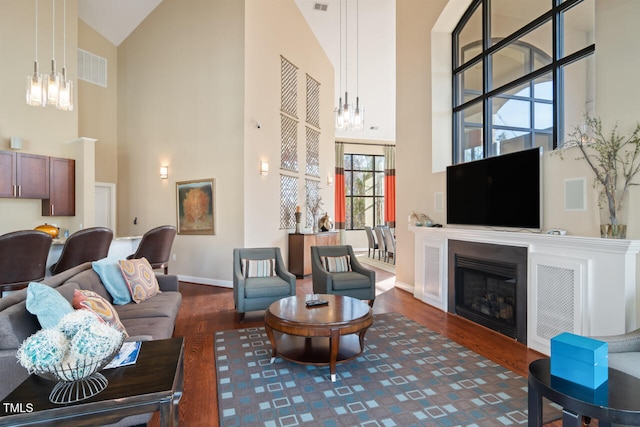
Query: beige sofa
{"points": [[151, 319]]}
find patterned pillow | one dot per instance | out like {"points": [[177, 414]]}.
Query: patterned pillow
{"points": [[336, 264], [258, 267], [89, 300], [140, 278]]}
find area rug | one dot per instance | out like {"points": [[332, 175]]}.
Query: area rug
{"points": [[408, 375]]}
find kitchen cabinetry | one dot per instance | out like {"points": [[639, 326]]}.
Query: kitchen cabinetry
{"points": [[300, 249], [62, 188], [24, 175]]}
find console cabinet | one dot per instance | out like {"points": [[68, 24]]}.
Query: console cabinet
{"points": [[300, 249], [24, 175], [62, 191]]}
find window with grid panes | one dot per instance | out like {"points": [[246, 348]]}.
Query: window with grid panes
{"points": [[364, 190]]}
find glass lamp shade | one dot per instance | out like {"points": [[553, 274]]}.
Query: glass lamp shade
{"points": [[65, 93], [52, 83], [340, 123], [358, 116], [346, 111], [35, 88]]}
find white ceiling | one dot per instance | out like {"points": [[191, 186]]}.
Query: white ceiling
{"points": [[373, 59]]}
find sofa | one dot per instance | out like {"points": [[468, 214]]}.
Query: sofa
{"points": [[151, 319]]}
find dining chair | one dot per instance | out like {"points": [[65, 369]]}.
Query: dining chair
{"points": [[390, 243], [373, 245], [382, 247]]}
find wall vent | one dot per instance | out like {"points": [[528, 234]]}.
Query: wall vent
{"points": [[92, 68], [322, 7]]}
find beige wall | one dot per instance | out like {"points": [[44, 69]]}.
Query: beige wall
{"points": [[193, 82], [43, 130], [97, 105], [617, 98]]}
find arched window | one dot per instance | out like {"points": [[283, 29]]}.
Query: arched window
{"points": [[521, 69]]}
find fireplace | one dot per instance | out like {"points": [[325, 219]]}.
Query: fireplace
{"points": [[488, 285]]}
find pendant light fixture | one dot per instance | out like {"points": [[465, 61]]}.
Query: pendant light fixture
{"points": [[53, 80], [348, 118], [358, 113], [35, 87], [65, 94], [340, 124]]}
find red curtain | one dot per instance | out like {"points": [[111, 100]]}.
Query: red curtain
{"points": [[340, 196], [390, 185]]}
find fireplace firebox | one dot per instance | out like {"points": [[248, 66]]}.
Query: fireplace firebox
{"points": [[488, 285]]}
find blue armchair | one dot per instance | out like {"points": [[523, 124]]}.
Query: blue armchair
{"points": [[357, 282], [259, 278]]}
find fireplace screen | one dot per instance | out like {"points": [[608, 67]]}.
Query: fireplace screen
{"points": [[486, 293]]}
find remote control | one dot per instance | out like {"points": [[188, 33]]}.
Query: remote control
{"points": [[316, 302]]}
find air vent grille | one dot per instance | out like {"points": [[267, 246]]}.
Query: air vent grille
{"points": [[322, 7], [92, 68]]}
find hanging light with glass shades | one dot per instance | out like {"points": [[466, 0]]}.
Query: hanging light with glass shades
{"points": [[358, 113], [35, 87], [65, 94]]}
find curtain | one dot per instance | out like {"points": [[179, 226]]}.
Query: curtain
{"points": [[340, 196], [390, 185]]}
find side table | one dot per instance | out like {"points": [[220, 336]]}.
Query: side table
{"points": [[154, 383], [617, 400]]}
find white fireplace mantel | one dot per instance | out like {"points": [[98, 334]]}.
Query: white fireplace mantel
{"points": [[577, 284]]}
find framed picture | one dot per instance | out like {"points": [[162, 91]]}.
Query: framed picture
{"points": [[195, 208]]}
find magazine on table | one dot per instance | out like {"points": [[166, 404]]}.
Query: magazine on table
{"points": [[128, 355]]}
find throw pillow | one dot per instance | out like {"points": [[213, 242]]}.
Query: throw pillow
{"points": [[89, 300], [47, 304], [113, 280], [140, 278], [336, 264], [258, 267]]}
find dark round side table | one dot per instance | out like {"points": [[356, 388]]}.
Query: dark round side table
{"points": [[617, 400]]}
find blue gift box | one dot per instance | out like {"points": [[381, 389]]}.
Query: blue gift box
{"points": [[579, 359]]}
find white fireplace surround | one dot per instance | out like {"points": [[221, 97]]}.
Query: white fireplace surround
{"points": [[582, 285]]}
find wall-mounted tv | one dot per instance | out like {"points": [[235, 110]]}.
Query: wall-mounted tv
{"points": [[501, 191]]}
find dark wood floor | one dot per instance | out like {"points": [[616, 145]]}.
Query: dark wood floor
{"points": [[206, 309]]}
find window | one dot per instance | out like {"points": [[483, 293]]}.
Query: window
{"points": [[521, 70], [364, 190]]}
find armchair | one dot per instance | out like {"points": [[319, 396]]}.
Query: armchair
{"points": [[358, 282], [258, 284], [624, 352]]}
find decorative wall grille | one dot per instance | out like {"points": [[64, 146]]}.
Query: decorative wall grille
{"points": [[555, 300], [92, 68], [312, 192], [313, 102], [289, 87], [288, 144], [313, 152], [288, 201]]}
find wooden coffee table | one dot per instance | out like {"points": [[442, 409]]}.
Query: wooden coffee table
{"points": [[321, 335], [154, 383]]}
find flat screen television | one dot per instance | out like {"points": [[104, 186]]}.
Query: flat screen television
{"points": [[501, 191]]}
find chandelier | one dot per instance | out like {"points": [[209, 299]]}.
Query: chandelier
{"points": [[347, 117], [53, 89]]}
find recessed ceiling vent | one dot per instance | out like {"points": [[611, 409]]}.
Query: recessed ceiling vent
{"points": [[322, 7], [92, 68]]}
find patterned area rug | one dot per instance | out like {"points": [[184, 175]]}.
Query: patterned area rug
{"points": [[408, 375]]}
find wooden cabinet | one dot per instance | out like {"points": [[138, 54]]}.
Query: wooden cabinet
{"points": [[24, 175], [300, 249], [62, 188]]}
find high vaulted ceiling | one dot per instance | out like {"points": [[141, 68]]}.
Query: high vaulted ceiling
{"points": [[365, 65]]}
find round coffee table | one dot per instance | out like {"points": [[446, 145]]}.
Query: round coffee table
{"points": [[319, 335]]}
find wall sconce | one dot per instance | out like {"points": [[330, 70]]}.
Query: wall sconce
{"points": [[264, 168], [329, 180], [164, 172]]}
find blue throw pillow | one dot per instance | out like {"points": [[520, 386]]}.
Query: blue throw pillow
{"points": [[47, 304], [112, 279]]}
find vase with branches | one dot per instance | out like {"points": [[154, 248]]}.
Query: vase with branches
{"points": [[314, 204], [614, 160]]}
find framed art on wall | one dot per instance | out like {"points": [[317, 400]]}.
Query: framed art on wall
{"points": [[195, 206]]}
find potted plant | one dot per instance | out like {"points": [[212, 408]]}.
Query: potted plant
{"points": [[615, 161]]}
